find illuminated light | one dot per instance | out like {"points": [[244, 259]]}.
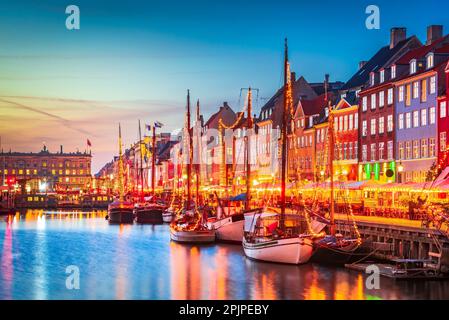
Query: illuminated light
{"points": [[255, 182]]}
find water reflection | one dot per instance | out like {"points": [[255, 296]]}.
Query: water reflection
{"points": [[140, 262]]}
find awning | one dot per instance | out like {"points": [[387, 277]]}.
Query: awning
{"points": [[240, 197]]}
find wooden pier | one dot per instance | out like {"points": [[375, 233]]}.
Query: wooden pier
{"points": [[391, 239]]}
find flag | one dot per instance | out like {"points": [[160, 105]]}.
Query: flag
{"points": [[158, 124], [89, 143], [148, 126]]}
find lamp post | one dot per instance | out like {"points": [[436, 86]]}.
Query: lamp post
{"points": [[400, 171]]}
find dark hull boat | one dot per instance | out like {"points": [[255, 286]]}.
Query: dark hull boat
{"points": [[150, 214], [120, 212], [332, 250]]}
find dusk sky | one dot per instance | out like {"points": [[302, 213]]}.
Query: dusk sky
{"points": [[135, 59]]}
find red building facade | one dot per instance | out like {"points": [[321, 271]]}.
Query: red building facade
{"points": [[443, 124]]}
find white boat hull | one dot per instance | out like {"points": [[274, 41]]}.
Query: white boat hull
{"points": [[228, 230], [203, 236], [291, 251]]}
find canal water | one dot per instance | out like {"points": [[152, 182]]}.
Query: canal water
{"points": [[140, 262]]}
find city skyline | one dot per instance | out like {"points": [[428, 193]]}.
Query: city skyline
{"points": [[64, 87]]}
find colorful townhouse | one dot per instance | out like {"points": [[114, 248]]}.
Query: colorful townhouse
{"points": [[269, 124], [416, 103], [443, 123], [346, 125], [302, 139], [376, 147]]}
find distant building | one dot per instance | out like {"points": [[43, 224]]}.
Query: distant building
{"points": [[46, 171]]}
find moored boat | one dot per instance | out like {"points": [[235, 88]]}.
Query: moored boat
{"points": [[149, 213], [121, 212]]}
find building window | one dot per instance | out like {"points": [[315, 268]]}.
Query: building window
{"points": [[356, 121], [424, 90], [373, 152], [373, 101], [443, 109], [364, 128], [432, 147], [430, 60], [433, 85], [424, 148], [415, 149], [415, 90], [381, 150], [443, 141], [381, 125], [373, 127], [364, 152], [415, 119], [351, 122], [408, 150], [381, 98], [423, 117], [412, 66], [336, 123], [390, 150], [432, 115], [373, 77], [382, 76], [364, 103], [401, 93], [390, 123], [408, 93], [340, 120], [390, 96], [350, 151], [401, 150], [393, 72], [401, 121]]}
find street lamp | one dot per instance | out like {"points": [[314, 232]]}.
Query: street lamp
{"points": [[400, 171]]}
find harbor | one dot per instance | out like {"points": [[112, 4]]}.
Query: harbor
{"points": [[140, 262]]}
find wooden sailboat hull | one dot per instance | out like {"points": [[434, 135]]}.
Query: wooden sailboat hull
{"points": [[337, 255], [200, 236], [123, 215], [290, 251], [229, 229], [149, 215]]}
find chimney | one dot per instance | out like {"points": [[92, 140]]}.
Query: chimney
{"points": [[225, 105], [293, 77], [397, 35], [434, 32], [362, 64], [61, 149]]}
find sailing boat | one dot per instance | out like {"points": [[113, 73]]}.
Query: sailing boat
{"points": [[148, 212], [120, 211], [335, 248], [275, 236], [189, 225], [229, 224]]}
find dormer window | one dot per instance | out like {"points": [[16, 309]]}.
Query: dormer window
{"points": [[326, 111], [372, 78], [393, 72], [430, 60], [382, 76], [413, 66]]}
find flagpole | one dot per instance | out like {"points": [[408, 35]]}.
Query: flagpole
{"points": [[153, 163]]}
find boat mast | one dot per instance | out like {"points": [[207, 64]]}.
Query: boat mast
{"points": [[141, 162], [249, 125], [331, 168], [120, 164], [189, 145], [197, 165], [153, 163], [284, 137]]}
